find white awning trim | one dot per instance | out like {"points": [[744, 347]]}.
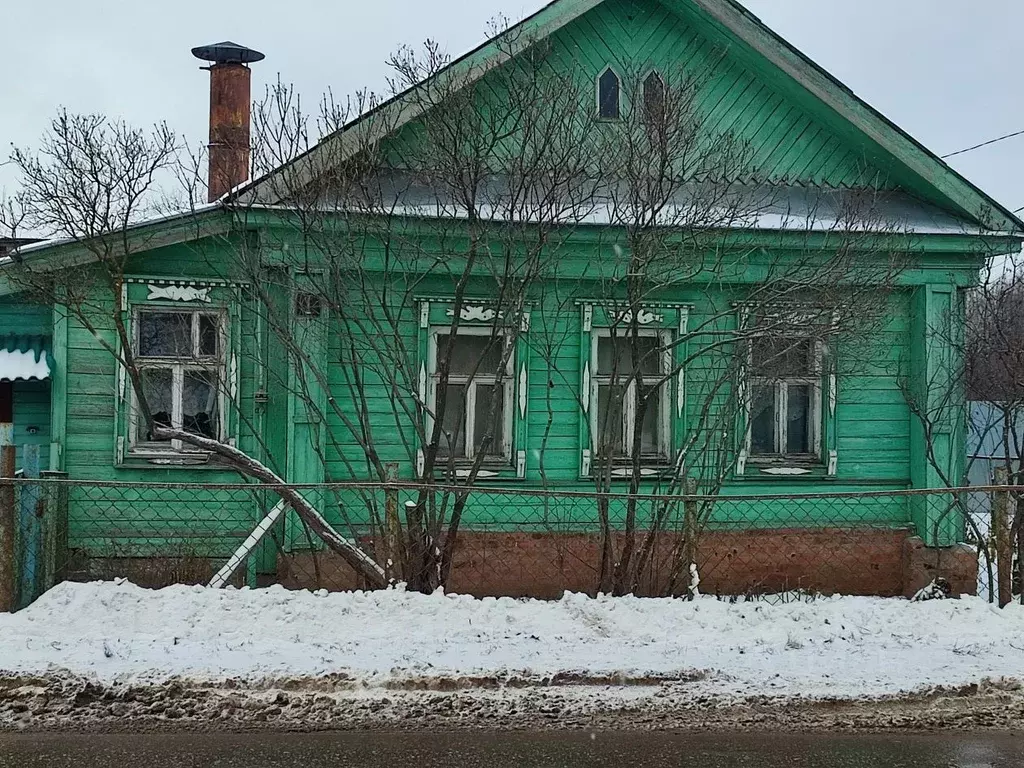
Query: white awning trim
{"points": [[23, 366]]}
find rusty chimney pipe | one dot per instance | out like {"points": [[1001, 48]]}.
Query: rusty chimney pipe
{"points": [[230, 114]]}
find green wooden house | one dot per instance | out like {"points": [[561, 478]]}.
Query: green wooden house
{"points": [[338, 335]]}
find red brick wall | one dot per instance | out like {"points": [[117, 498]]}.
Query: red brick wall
{"points": [[850, 562]]}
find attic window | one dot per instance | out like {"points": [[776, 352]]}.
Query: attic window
{"points": [[608, 95], [654, 97]]}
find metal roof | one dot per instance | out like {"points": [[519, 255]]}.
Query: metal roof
{"points": [[227, 53], [742, 207]]}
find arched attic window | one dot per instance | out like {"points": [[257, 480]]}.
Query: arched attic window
{"points": [[654, 96], [609, 95]]}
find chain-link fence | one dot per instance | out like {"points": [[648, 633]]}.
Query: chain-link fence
{"points": [[494, 542]]}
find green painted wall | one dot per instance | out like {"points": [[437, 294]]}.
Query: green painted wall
{"points": [[24, 318], [873, 422], [872, 415], [792, 137], [32, 419], [124, 523]]}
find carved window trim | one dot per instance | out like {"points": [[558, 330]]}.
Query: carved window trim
{"points": [[477, 315], [824, 461], [672, 320], [225, 300]]}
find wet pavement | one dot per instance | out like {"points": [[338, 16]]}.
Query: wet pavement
{"points": [[517, 750]]}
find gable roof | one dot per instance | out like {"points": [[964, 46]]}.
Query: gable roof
{"points": [[945, 185]]}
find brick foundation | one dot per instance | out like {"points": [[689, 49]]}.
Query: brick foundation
{"points": [[922, 565], [850, 562]]}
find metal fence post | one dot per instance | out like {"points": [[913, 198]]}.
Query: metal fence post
{"points": [[55, 528], [7, 499], [1001, 535], [28, 524]]}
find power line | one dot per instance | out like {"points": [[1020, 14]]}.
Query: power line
{"points": [[984, 144]]}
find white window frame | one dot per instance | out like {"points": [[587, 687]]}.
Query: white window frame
{"points": [[178, 366], [508, 392], [597, 94], [643, 86], [781, 387], [629, 399]]}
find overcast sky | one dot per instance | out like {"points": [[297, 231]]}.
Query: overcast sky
{"points": [[945, 70]]}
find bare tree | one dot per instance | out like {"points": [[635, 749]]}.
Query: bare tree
{"points": [[682, 206], [91, 183], [995, 381], [469, 204], [478, 200]]}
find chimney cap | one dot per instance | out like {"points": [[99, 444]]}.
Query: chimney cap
{"points": [[227, 53]]}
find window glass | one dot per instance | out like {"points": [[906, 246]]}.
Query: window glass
{"points": [[617, 353], [165, 334], [609, 419], [608, 95], [782, 358], [651, 428], [488, 423], [469, 354], [157, 386], [453, 423], [798, 419], [209, 335], [182, 355], [654, 96], [199, 403]]}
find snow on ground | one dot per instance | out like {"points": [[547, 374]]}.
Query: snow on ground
{"points": [[841, 647]]}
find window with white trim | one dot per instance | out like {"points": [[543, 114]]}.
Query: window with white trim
{"points": [[609, 95], [784, 407], [616, 389], [479, 404], [654, 97], [181, 358]]}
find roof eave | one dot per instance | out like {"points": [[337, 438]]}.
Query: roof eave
{"points": [[962, 193], [47, 256]]}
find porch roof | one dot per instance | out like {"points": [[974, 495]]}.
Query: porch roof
{"points": [[24, 358]]}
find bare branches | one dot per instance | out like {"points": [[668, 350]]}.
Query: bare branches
{"points": [[995, 336], [91, 176], [13, 215]]}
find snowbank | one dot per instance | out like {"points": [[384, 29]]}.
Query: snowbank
{"points": [[843, 647]]}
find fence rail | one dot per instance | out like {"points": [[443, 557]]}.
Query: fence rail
{"points": [[516, 542]]}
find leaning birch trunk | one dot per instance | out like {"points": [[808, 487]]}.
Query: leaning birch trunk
{"points": [[362, 563], [223, 576]]}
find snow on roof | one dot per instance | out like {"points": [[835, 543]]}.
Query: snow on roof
{"points": [[23, 365], [743, 207]]}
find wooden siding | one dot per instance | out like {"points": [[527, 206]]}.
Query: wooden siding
{"points": [[22, 318], [119, 523], [32, 411], [792, 139], [873, 419]]}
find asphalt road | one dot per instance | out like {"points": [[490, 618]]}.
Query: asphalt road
{"points": [[495, 750]]}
